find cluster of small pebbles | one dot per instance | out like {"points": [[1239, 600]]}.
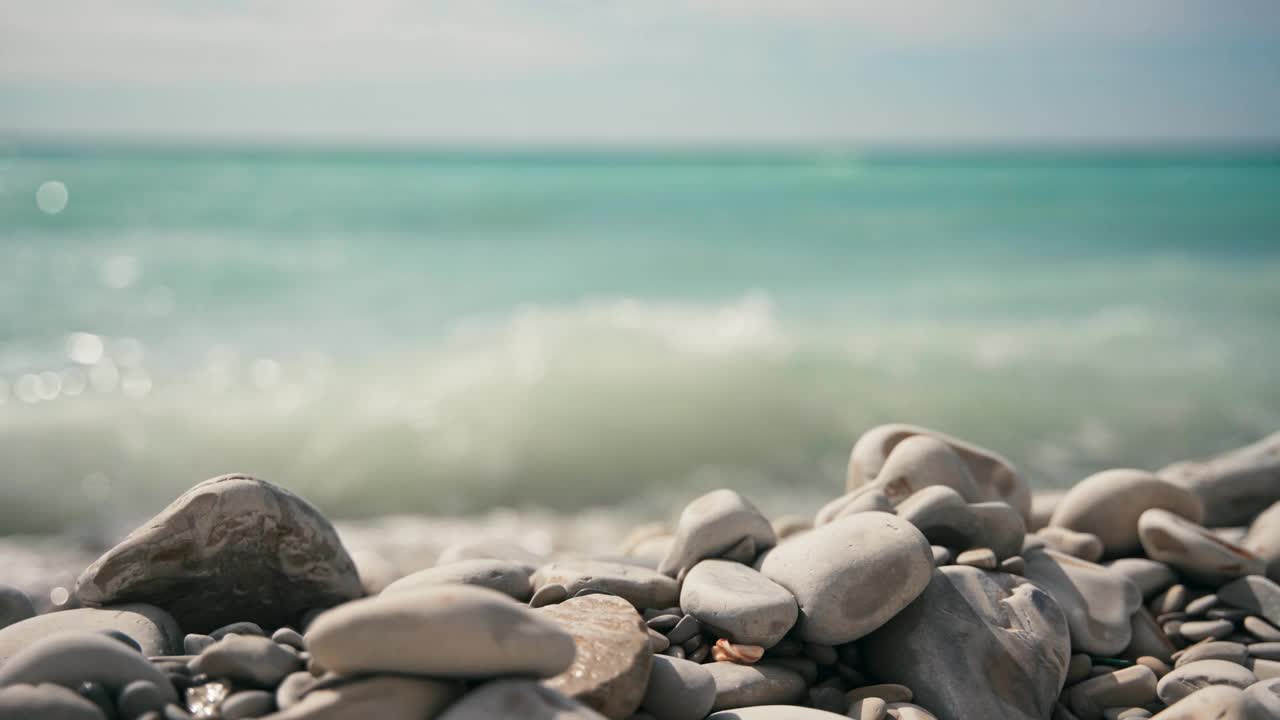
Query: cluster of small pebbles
{"points": [[937, 586]]}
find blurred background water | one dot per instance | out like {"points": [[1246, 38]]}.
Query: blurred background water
{"points": [[444, 332]]}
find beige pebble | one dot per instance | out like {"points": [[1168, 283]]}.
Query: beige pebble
{"points": [[984, 558], [907, 711], [889, 692], [736, 652], [872, 708], [1158, 666]]}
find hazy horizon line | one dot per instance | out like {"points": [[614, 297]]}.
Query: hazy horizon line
{"points": [[460, 146]]}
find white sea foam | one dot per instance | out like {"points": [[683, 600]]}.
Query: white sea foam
{"points": [[622, 400]]}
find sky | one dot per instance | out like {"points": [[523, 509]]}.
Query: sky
{"points": [[642, 72]]}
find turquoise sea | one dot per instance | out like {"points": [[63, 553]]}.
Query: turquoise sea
{"points": [[390, 331]]}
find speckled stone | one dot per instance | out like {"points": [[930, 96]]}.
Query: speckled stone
{"points": [[610, 668], [231, 548], [995, 476]]}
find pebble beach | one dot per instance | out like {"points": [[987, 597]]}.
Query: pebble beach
{"points": [[935, 584]]}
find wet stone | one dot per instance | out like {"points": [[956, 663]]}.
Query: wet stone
{"points": [[612, 659]]}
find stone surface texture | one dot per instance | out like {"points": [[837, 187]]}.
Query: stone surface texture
{"points": [[975, 644], [230, 548], [610, 669]]}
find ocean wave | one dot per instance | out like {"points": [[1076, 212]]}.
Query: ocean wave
{"points": [[625, 401]]}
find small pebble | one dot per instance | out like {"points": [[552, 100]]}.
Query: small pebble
{"points": [[552, 594], [1078, 668], [1213, 650], [293, 687], [249, 659], [139, 697], [700, 655], [828, 699], [821, 654], [941, 555], [889, 692], [1261, 629], [194, 644], [1264, 650], [658, 641], [1013, 565], [1200, 629], [663, 623], [685, 629], [982, 558], [239, 628], [1201, 605], [98, 695], [247, 704], [691, 644], [1174, 599], [734, 652], [872, 708], [289, 637]]}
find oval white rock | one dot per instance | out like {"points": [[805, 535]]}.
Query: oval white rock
{"points": [[445, 631], [994, 474], [1108, 504], [506, 576], [738, 603], [852, 575]]}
